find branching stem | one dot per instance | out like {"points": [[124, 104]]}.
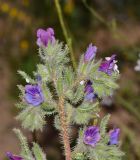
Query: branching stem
{"points": [[64, 129], [64, 124]]}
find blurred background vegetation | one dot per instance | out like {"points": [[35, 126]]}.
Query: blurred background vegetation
{"points": [[112, 25]]}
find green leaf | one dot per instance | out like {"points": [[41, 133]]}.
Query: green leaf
{"points": [[21, 88], [76, 94], [26, 77], [42, 70], [21, 105], [69, 77], [57, 122], [88, 107], [80, 146], [25, 151], [59, 86], [105, 152], [111, 84], [81, 118], [83, 113], [92, 67], [38, 153], [79, 156], [103, 84], [32, 118], [103, 125]]}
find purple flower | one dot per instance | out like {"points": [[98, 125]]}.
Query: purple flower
{"points": [[109, 65], [33, 94], [89, 91], [45, 36], [91, 136], [13, 157], [90, 53], [114, 136]]}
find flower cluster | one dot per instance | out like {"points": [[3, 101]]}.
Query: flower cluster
{"points": [[92, 136], [109, 65], [41, 102], [34, 96]]}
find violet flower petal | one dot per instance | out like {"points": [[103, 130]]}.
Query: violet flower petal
{"points": [[90, 95], [45, 36], [91, 136], [33, 95], [90, 53], [108, 66], [114, 136]]}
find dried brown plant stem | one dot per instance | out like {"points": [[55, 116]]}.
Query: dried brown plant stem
{"points": [[64, 129]]}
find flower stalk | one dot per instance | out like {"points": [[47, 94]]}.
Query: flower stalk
{"points": [[64, 129]]}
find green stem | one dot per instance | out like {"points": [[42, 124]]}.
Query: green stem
{"points": [[95, 13], [67, 38]]}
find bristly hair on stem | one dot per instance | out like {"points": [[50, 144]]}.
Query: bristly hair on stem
{"points": [[63, 122], [64, 129]]}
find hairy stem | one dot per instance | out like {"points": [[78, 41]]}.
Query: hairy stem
{"points": [[64, 129], [68, 39]]}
